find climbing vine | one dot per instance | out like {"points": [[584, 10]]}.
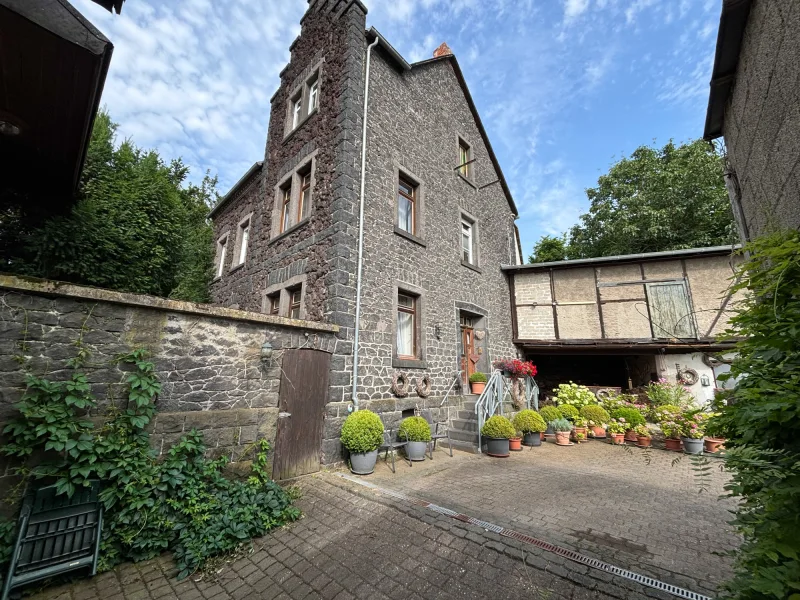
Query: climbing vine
{"points": [[181, 503]]}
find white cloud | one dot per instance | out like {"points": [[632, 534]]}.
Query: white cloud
{"points": [[574, 8]]}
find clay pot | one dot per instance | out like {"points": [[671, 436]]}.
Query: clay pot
{"points": [[642, 441], [477, 387], [599, 432], [582, 430], [515, 444], [618, 438], [713, 445], [562, 438], [630, 436], [673, 445]]}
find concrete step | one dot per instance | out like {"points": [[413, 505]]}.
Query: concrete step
{"points": [[469, 403], [467, 415], [470, 447], [464, 425], [464, 436]]}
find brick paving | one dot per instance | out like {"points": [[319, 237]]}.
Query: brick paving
{"points": [[603, 501]]}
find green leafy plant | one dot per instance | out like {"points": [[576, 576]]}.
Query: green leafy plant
{"points": [[568, 411], [560, 425], [529, 421], [615, 401], [477, 377], [642, 431], [498, 427], [670, 429], [595, 414], [182, 503], [414, 429], [663, 392], [615, 426], [630, 416], [692, 424], [666, 412], [362, 431], [574, 395], [549, 413]]}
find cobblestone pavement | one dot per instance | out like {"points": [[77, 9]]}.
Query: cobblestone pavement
{"points": [[601, 500]]}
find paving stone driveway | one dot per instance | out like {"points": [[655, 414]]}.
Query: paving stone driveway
{"points": [[603, 501]]}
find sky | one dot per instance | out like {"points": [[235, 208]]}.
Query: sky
{"points": [[564, 87]]}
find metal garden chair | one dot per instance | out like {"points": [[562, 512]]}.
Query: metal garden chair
{"points": [[56, 534], [390, 443], [435, 435]]}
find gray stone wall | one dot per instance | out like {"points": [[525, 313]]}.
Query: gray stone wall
{"points": [[762, 120], [207, 359]]}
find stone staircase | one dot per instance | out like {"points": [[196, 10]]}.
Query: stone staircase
{"points": [[463, 425]]}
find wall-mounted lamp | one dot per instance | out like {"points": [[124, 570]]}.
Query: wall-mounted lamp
{"points": [[705, 381], [266, 351]]}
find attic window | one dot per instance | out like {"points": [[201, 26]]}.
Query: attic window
{"points": [[304, 101], [464, 159]]}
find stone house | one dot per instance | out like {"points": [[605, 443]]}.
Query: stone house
{"points": [[423, 301], [755, 104]]}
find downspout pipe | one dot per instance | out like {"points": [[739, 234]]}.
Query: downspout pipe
{"points": [[354, 394]]}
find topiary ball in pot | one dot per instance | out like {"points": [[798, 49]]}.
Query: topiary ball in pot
{"points": [[497, 430], [531, 424], [549, 413], [362, 435], [597, 418], [568, 411], [417, 432], [630, 416]]}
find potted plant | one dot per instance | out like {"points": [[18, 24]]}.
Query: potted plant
{"points": [[574, 395], [632, 418], [549, 414], [362, 435], [643, 436], [692, 431], [515, 368], [532, 426], [477, 382], [562, 429], [672, 435], [596, 418], [579, 425], [497, 430], [515, 443], [568, 412], [418, 433], [579, 437], [713, 441], [616, 430]]}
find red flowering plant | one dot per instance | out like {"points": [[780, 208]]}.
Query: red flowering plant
{"points": [[516, 368]]}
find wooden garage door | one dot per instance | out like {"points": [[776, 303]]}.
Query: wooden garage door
{"points": [[303, 395]]}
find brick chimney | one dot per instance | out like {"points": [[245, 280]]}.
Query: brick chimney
{"points": [[443, 50]]}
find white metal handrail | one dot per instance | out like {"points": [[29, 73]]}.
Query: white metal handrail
{"points": [[497, 387]]}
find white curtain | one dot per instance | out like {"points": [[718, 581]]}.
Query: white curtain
{"points": [[405, 333]]}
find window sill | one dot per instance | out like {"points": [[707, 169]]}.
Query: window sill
{"points": [[469, 265], [409, 236], [299, 125], [236, 267], [216, 279], [408, 363], [289, 231], [467, 180]]}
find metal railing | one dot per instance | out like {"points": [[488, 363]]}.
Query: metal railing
{"points": [[456, 379], [494, 394]]}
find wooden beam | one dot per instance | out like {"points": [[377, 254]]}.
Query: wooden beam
{"points": [[647, 302], [640, 282], [555, 307], [599, 305]]}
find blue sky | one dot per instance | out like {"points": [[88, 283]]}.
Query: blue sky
{"points": [[564, 87]]}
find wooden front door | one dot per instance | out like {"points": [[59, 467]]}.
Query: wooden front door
{"points": [[303, 395], [467, 353]]}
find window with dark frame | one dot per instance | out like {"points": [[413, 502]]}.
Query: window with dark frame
{"points": [[295, 298], [464, 157], [286, 201], [406, 206], [304, 201], [406, 326], [274, 304]]}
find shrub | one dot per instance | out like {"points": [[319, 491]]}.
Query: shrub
{"points": [[666, 412], [642, 431], [596, 414], [529, 421], [631, 416], [613, 402], [549, 413], [477, 377], [498, 427], [663, 392], [568, 411], [362, 432], [671, 429], [561, 425], [574, 395], [414, 429], [615, 426]]}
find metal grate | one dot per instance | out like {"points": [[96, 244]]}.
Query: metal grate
{"points": [[568, 554]]}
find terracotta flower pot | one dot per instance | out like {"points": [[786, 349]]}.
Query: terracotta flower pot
{"points": [[477, 387], [713, 445], [562, 438], [541, 434], [630, 436], [618, 438], [673, 445], [599, 432], [515, 444], [642, 441], [582, 430]]}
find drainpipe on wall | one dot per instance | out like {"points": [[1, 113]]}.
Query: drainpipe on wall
{"points": [[354, 394]]}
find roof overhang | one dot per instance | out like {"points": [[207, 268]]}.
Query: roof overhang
{"points": [[54, 64], [236, 187], [623, 346], [111, 5], [732, 24]]}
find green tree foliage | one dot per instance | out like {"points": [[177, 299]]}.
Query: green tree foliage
{"points": [[656, 199], [762, 421], [136, 227], [549, 249]]}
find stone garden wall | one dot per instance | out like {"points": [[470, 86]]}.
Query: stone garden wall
{"points": [[208, 359]]}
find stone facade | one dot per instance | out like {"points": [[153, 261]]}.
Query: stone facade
{"points": [[207, 359], [417, 115]]}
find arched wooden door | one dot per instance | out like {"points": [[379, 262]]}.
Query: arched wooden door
{"points": [[303, 395]]}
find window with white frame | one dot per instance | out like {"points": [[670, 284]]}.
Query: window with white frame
{"points": [[313, 95], [222, 252], [467, 241], [304, 101], [286, 201], [242, 240]]}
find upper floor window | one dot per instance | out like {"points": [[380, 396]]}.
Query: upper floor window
{"points": [[304, 201], [297, 111], [242, 240], [295, 301], [313, 95], [406, 326], [467, 241], [222, 254], [406, 206], [464, 159], [286, 200], [304, 100], [294, 197]]}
